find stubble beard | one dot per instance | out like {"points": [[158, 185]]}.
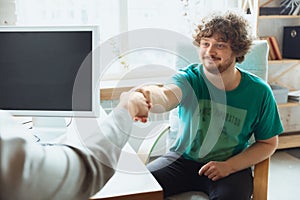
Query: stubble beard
{"points": [[212, 66]]}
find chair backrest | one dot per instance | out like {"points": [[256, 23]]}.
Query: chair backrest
{"points": [[256, 61]]}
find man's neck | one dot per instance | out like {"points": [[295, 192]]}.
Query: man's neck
{"points": [[227, 80]]}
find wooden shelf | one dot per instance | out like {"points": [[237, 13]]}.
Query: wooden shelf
{"points": [[288, 104], [284, 61], [289, 114], [279, 16], [289, 140]]}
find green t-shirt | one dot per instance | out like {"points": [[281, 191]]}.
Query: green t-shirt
{"points": [[217, 124]]}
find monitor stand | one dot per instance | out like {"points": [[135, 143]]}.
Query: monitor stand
{"points": [[48, 128]]}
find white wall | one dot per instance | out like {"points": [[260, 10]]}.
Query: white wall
{"points": [[8, 12]]}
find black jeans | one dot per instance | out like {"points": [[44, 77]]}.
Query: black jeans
{"points": [[176, 175]]}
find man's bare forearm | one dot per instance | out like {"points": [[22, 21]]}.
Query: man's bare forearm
{"points": [[162, 98], [259, 151], [256, 153]]}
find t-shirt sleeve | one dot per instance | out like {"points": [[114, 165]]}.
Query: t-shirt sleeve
{"points": [[183, 79], [269, 123], [180, 80]]}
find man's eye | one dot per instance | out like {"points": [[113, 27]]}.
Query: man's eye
{"points": [[204, 44], [220, 46]]}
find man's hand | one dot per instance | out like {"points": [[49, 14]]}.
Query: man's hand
{"points": [[161, 98], [136, 104], [146, 94], [215, 170]]}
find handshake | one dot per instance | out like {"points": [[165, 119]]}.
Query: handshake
{"points": [[157, 98], [138, 104]]}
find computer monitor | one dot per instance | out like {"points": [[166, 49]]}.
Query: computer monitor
{"points": [[49, 73]]}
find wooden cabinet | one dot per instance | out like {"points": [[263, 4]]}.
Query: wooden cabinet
{"points": [[272, 25], [285, 72], [290, 115]]}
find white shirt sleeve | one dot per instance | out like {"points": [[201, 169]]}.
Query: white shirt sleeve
{"points": [[30, 170]]}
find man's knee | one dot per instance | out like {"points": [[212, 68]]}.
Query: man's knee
{"points": [[238, 186], [231, 195]]}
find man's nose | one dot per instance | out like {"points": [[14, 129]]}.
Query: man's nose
{"points": [[211, 50]]}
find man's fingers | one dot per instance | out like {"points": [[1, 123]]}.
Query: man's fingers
{"points": [[202, 170], [141, 119], [205, 169], [210, 171], [146, 94]]}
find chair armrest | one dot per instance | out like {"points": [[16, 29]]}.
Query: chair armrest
{"points": [[260, 181], [151, 140]]}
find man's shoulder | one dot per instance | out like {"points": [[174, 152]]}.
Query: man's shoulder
{"points": [[249, 76], [255, 83], [192, 69], [192, 66]]}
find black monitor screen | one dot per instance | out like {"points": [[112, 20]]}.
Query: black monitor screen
{"points": [[38, 70]]}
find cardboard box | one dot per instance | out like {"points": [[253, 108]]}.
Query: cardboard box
{"points": [[280, 93]]}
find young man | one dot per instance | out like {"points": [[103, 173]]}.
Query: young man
{"points": [[30, 170], [220, 108]]}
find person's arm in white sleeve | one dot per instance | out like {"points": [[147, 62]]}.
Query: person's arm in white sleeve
{"points": [[33, 171]]}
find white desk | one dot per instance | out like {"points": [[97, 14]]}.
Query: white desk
{"points": [[132, 180]]}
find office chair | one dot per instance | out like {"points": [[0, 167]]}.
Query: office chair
{"points": [[256, 61]]}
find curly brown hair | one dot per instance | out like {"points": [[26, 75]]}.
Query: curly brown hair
{"points": [[230, 27]]}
